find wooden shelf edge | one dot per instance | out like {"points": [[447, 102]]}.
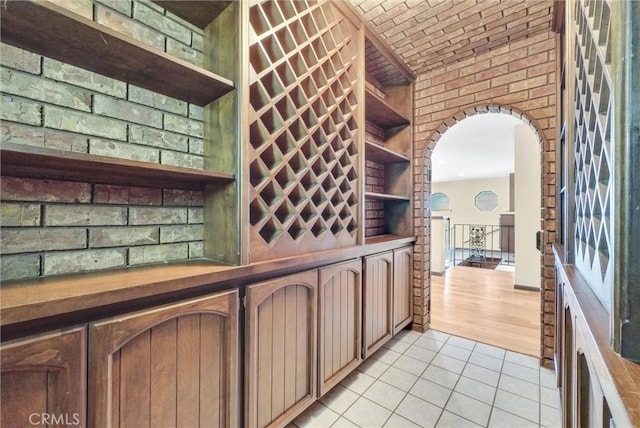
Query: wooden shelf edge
{"points": [[39, 162], [199, 13], [388, 238], [379, 112], [386, 197], [381, 154], [50, 30]]}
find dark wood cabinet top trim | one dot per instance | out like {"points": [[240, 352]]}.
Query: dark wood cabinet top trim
{"points": [[386, 197], [30, 301], [50, 30], [199, 13], [381, 154], [38, 162], [381, 113]]}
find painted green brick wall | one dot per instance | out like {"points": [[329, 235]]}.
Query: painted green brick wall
{"points": [[55, 227]]}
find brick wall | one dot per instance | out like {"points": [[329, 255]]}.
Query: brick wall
{"points": [[518, 79], [54, 227]]}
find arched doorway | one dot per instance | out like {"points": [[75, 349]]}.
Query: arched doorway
{"points": [[485, 267], [547, 182]]}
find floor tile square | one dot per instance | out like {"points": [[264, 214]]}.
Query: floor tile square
{"points": [[519, 387], [384, 394], [427, 343], [502, 419], [316, 416], [386, 356], [431, 392], [399, 378], [449, 420], [397, 345], [550, 417], [548, 378], [366, 413], [522, 359], [436, 335], [474, 389], [492, 351], [486, 361], [515, 404], [448, 363], [397, 421], [461, 342], [358, 382], [419, 411], [455, 352], [481, 374], [469, 408], [344, 423], [441, 376], [419, 353], [411, 365], [339, 399], [372, 367], [550, 397], [521, 372], [407, 336]]}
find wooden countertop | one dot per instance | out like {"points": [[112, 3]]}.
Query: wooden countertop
{"points": [[29, 301]]}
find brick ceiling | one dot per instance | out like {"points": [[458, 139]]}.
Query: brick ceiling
{"points": [[429, 34]]}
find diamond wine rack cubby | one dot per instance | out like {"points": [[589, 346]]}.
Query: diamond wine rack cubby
{"points": [[303, 128], [593, 152]]}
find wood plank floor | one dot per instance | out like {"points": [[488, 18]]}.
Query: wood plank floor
{"points": [[481, 304]]}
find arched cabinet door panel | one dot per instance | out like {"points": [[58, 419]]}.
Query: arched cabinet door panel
{"points": [[339, 322], [44, 380], [281, 336], [175, 365], [402, 288], [377, 322]]}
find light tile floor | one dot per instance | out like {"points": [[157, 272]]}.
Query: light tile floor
{"points": [[439, 380]]}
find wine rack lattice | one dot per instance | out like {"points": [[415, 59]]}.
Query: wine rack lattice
{"points": [[303, 131], [593, 155]]}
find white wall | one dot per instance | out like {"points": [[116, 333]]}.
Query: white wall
{"points": [[527, 206], [461, 201]]}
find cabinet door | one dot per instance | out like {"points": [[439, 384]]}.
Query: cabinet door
{"points": [[378, 299], [281, 346], [402, 288], [339, 322], [44, 380], [175, 365]]}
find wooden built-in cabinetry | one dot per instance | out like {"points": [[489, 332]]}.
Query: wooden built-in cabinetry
{"points": [[598, 387], [255, 340], [281, 347], [388, 144], [172, 365], [402, 288], [43, 376], [387, 297], [339, 322]]}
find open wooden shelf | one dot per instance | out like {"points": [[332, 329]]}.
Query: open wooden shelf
{"points": [[380, 154], [386, 197], [200, 13], [381, 113], [37, 162], [53, 31]]}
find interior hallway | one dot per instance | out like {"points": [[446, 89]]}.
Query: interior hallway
{"points": [[440, 380], [481, 304]]}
